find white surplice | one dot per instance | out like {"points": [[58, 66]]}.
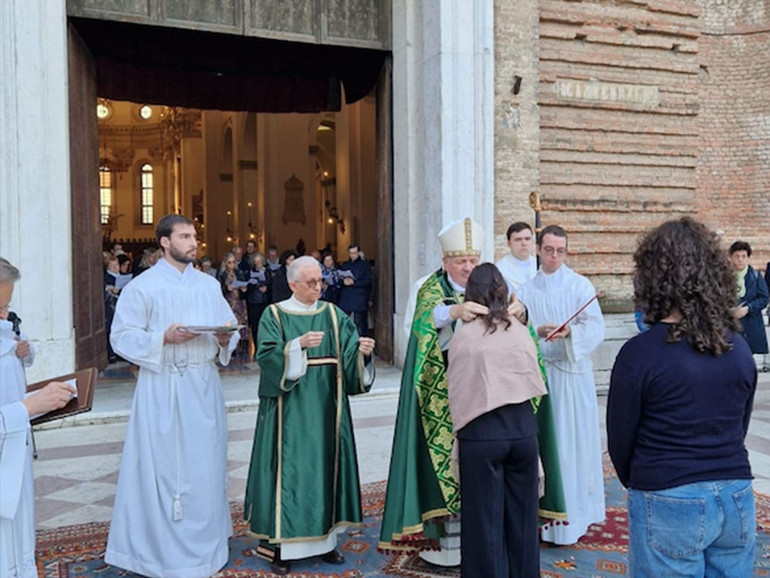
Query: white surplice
{"points": [[516, 272], [171, 516], [553, 299], [17, 499]]}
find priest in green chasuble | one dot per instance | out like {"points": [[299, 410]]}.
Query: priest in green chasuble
{"points": [[422, 502], [303, 486]]}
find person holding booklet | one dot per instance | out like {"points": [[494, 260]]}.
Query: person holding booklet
{"points": [[552, 297], [331, 280], [17, 500], [257, 294], [171, 515], [234, 289], [356, 288]]}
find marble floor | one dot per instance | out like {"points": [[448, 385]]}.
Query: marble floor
{"points": [[78, 461]]}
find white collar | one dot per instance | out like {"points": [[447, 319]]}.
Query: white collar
{"points": [[292, 304]]}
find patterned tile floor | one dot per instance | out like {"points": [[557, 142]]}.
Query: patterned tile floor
{"points": [[76, 471]]}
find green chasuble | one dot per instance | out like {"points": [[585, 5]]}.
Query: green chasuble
{"points": [[303, 478], [422, 492]]}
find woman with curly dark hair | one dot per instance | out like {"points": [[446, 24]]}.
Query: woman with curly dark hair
{"points": [[493, 374], [678, 411]]}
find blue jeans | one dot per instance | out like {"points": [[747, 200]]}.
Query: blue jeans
{"points": [[701, 529]]}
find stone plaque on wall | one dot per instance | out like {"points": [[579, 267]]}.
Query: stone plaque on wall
{"points": [[293, 204], [595, 91]]}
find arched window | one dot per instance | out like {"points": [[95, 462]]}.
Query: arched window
{"points": [[105, 194], [146, 194]]}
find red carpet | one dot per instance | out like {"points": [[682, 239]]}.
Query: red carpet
{"points": [[77, 551]]}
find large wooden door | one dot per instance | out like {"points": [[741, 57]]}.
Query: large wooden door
{"points": [[88, 271], [384, 308]]}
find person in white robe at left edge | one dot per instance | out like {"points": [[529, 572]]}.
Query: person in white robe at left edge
{"points": [[171, 516], [17, 500]]}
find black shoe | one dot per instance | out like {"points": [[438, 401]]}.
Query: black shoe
{"points": [[333, 557], [280, 567]]}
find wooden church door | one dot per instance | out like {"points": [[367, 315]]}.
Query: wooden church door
{"points": [[88, 271]]}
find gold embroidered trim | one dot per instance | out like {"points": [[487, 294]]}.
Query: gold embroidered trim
{"points": [[336, 330], [279, 479], [322, 361]]}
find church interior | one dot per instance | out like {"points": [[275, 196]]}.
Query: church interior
{"points": [[294, 180]]}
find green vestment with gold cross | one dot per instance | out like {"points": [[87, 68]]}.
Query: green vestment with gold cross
{"points": [[422, 491], [303, 479]]}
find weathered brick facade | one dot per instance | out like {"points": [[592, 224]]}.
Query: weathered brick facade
{"points": [[734, 122], [630, 114]]}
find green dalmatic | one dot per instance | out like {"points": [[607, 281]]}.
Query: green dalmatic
{"points": [[303, 481]]}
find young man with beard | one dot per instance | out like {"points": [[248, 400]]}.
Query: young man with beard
{"points": [[171, 515]]}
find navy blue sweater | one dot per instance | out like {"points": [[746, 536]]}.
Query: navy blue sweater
{"points": [[676, 416]]}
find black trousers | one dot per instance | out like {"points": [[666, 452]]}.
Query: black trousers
{"points": [[254, 312], [499, 524]]}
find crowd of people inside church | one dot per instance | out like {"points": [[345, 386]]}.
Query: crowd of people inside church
{"points": [[251, 281], [496, 446]]}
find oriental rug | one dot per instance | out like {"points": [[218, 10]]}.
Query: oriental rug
{"points": [[78, 551]]}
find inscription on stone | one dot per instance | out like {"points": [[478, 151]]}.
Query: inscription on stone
{"points": [[595, 91]]}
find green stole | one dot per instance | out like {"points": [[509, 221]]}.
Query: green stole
{"points": [[422, 492]]}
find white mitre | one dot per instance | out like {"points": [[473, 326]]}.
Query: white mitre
{"points": [[462, 238]]}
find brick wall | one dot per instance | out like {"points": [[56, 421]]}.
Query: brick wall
{"points": [[734, 122], [644, 111], [618, 147]]}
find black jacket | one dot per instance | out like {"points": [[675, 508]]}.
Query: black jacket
{"points": [[355, 297]]}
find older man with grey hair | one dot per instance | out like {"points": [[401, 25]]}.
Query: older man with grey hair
{"points": [[303, 486]]}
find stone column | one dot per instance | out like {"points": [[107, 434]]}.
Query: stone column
{"points": [[35, 223], [443, 114]]}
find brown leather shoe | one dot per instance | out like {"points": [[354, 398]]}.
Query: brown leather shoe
{"points": [[333, 557], [280, 567]]}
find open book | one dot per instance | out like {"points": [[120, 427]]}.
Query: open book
{"points": [[82, 401]]}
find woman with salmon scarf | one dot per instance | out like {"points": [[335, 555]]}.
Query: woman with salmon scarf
{"points": [[493, 376]]}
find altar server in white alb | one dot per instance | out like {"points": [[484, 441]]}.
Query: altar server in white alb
{"points": [[520, 265], [17, 499], [171, 516], [552, 297]]}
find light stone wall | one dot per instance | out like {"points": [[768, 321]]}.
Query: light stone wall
{"points": [[443, 110], [35, 224]]}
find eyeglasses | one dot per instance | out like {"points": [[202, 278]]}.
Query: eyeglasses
{"points": [[312, 283], [561, 251]]}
